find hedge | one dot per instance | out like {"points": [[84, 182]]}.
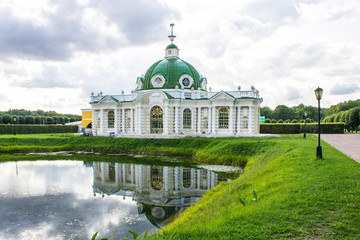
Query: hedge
{"points": [[295, 128], [33, 129]]}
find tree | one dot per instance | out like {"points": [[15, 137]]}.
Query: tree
{"points": [[14, 119], [37, 120], [72, 119], [283, 112], [22, 120], [1, 119], [354, 118], [267, 112], [49, 120], [29, 119], [6, 118], [338, 116]]}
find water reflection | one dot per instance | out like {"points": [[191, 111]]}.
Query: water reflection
{"points": [[73, 199], [160, 191]]}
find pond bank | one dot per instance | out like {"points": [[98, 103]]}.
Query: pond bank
{"points": [[284, 192]]}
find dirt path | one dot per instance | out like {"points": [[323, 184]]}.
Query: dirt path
{"points": [[349, 144]]}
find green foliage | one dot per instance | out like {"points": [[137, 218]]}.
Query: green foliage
{"points": [[294, 121], [135, 235], [295, 128], [354, 118], [267, 112], [301, 198], [273, 121], [29, 119], [280, 121], [338, 116], [267, 120], [6, 118], [34, 129], [283, 112]]}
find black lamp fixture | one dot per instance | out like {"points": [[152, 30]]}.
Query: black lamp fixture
{"points": [[318, 95], [14, 126], [305, 114]]}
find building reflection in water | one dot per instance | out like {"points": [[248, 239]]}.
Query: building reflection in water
{"points": [[161, 192]]}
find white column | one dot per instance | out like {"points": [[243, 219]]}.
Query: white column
{"points": [[176, 178], [124, 172], [198, 178], [199, 119], [166, 178], [208, 179], [123, 120], [166, 120], [231, 120], [239, 120], [102, 121], [213, 119], [251, 121], [209, 119], [102, 166], [93, 123], [176, 119], [132, 120], [140, 119], [116, 121], [117, 172], [132, 173], [140, 176]]}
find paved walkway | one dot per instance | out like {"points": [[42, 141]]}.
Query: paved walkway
{"points": [[349, 144]]}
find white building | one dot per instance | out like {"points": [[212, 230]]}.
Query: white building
{"points": [[172, 99]]}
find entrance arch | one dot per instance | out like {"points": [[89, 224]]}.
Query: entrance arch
{"points": [[156, 120]]}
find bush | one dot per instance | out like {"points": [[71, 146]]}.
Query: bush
{"points": [[294, 121], [295, 128], [33, 129], [6, 118], [267, 121], [29, 119], [273, 121], [280, 121]]}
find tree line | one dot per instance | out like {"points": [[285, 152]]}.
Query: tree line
{"points": [[347, 112], [22, 116]]}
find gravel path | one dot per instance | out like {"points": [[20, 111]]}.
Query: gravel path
{"points": [[349, 144]]}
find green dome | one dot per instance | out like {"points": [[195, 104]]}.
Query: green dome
{"points": [[171, 73], [171, 45]]}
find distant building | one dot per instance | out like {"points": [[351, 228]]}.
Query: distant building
{"points": [[172, 98]]}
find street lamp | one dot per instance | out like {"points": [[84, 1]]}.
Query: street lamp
{"points": [[318, 95], [305, 114], [14, 126]]}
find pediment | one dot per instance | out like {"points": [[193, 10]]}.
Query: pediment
{"points": [[108, 100], [222, 96]]}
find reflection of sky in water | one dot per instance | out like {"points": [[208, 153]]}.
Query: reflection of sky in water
{"points": [[54, 200]]}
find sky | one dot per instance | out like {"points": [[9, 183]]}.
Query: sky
{"points": [[53, 54]]}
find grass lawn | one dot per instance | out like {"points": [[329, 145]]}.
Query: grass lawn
{"points": [[284, 193]]}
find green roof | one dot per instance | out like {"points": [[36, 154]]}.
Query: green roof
{"points": [[171, 45], [171, 69]]}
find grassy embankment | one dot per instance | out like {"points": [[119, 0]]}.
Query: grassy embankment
{"points": [[285, 192], [230, 151]]}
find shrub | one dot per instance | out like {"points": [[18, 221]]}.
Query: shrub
{"points": [[29, 119], [295, 128], [273, 121], [1, 120], [267, 120], [33, 129], [6, 118], [280, 121], [21, 120], [294, 121]]}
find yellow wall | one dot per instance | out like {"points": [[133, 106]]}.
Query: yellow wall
{"points": [[86, 117]]}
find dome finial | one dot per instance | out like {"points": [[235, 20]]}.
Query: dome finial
{"points": [[172, 36]]}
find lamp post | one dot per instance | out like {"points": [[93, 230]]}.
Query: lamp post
{"points": [[14, 126], [318, 95], [305, 114]]}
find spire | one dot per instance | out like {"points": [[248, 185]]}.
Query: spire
{"points": [[172, 36]]}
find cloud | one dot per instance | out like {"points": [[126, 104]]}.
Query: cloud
{"points": [[343, 89], [67, 29], [273, 11], [293, 94]]}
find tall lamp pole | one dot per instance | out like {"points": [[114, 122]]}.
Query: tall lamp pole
{"points": [[318, 95], [305, 114], [14, 126]]}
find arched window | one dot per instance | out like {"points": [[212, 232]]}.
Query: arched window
{"points": [[186, 177], [156, 120], [157, 177], [224, 117], [187, 118], [111, 119]]}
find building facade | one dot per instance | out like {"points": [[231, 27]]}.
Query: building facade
{"points": [[172, 99]]}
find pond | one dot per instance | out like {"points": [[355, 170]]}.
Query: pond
{"points": [[65, 199]]}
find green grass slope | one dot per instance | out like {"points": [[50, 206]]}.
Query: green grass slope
{"points": [[284, 193]]}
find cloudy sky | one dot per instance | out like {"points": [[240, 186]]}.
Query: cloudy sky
{"points": [[53, 54]]}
